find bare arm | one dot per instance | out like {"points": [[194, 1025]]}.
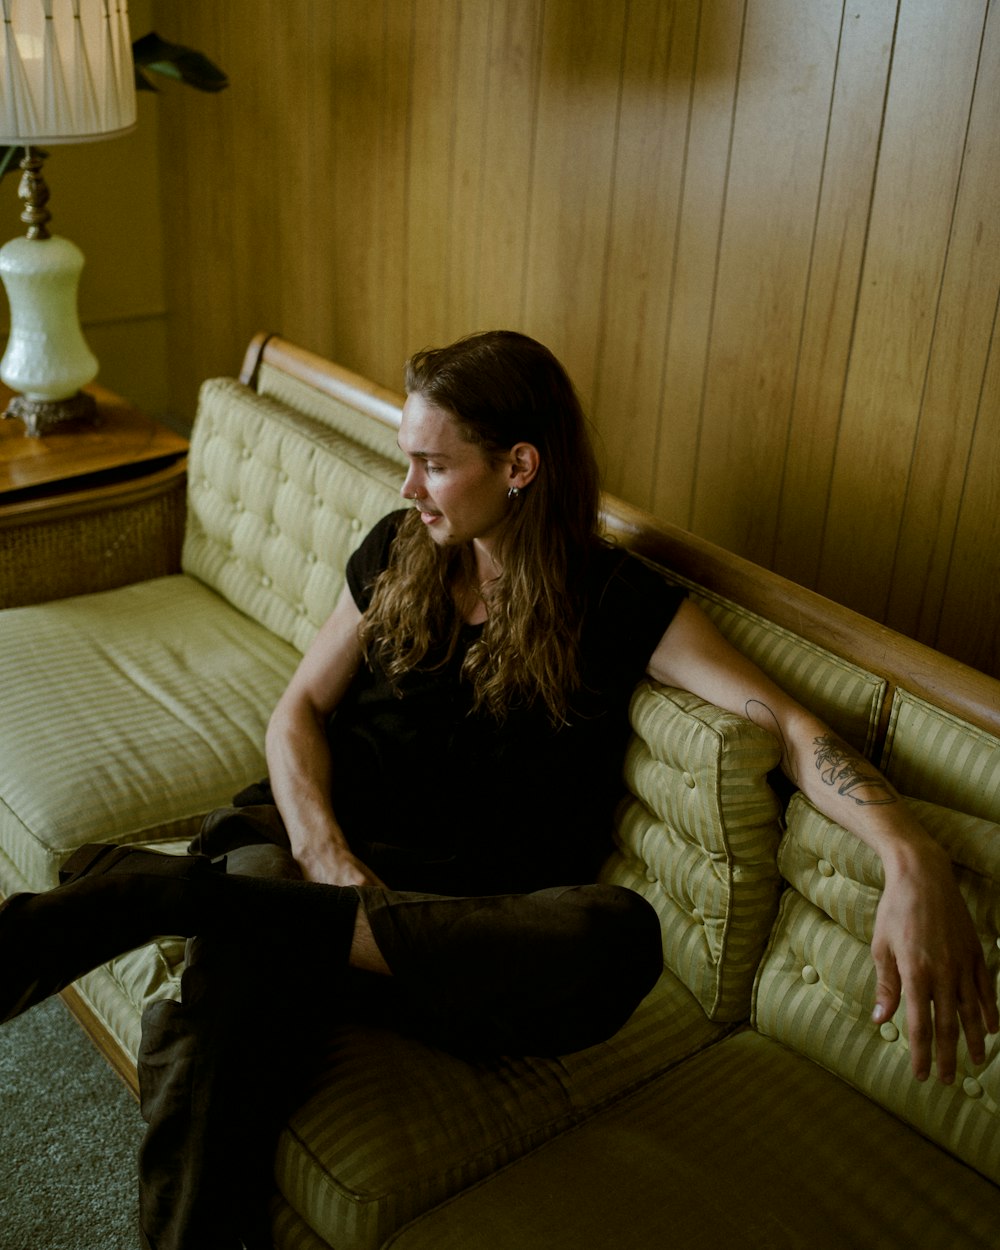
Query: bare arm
{"points": [[924, 944], [298, 757]]}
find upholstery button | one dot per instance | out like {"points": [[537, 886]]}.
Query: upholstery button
{"points": [[809, 974], [273, 529], [246, 453], [651, 876], [889, 1031], [972, 1088], [355, 524], [689, 781], [310, 557], [238, 505], [265, 581], [825, 868]]}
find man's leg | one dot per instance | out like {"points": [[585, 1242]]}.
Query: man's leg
{"points": [[213, 1083], [544, 973]]}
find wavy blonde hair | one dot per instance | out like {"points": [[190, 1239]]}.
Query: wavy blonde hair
{"points": [[500, 388]]}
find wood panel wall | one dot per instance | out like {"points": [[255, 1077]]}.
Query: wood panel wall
{"points": [[764, 235]]}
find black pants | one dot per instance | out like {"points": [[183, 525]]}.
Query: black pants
{"points": [[543, 973]]}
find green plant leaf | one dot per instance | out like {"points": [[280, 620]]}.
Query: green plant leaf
{"points": [[153, 55]]}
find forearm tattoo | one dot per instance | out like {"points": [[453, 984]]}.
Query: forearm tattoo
{"points": [[854, 779], [836, 763]]}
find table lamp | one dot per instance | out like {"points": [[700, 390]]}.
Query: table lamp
{"points": [[66, 76]]}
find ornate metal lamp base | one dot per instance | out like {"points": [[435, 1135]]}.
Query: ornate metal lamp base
{"points": [[42, 415]]}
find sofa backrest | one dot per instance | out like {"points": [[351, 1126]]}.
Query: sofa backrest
{"points": [[816, 986], [277, 501]]}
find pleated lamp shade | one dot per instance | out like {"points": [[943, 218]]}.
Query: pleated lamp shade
{"points": [[65, 71]]}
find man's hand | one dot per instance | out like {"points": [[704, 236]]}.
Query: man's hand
{"points": [[333, 865], [925, 946]]}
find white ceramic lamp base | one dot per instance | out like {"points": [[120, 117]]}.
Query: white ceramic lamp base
{"points": [[47, 358]]}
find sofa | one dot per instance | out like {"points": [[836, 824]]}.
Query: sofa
{"points": [[750, 1101]]}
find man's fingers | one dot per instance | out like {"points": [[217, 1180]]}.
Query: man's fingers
{"points": [[888, 988], [920, 1031]]}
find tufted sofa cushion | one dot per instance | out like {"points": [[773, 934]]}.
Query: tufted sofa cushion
{"points": [[277, 502], [933, 755], [697, 836], [816, 986]]}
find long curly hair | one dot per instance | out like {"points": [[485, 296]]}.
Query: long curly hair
{"points": [[501, 388]]}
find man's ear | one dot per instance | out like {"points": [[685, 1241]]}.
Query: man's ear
{"points": [[524, 462]]}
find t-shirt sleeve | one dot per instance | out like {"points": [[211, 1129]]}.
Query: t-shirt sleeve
{"points": [[636, 605], [365, 564]]}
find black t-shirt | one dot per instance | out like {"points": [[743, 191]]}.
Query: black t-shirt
{"points": [[438, 798]]}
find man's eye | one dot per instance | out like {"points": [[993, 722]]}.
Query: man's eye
{"points": [[434, 468]]}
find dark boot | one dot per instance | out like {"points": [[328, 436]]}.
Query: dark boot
{"points": [[216, 1087], [228, 828], [118, 898]]}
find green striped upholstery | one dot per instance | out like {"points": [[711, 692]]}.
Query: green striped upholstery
{"points": [[127, 716], [397, 1126], [747, 1145], [697, 837], [119, 992], [290, 1232], [293, 392], [935, 756], [847, 698], [816, 986], [276, 504]]}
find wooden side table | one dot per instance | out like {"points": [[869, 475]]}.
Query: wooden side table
{"points": [[91, 506]]}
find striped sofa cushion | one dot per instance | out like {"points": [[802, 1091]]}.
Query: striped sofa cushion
{"points": [[396, 1126], [157, 695], [746, 1145], [936, 756], [277, 502], [847, 698], [816, 986], [698, 838]]}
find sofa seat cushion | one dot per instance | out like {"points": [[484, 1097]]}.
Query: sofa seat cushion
{"points": [[816, 986], [395, 1126], [748, 1145], [127, 716]]}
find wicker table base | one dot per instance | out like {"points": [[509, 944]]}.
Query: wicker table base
{"points": [[89, 508]]}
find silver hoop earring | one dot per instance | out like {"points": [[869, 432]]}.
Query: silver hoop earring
{"points": [[513, 492]]}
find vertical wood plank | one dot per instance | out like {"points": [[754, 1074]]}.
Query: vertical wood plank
{"points": [[649, 170], [434, 104], [787, 71], [953, 393], [571, 191], [849, 165], [363, 226], [695, 262], [926, 116], [507, 164], [970, 606]]}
